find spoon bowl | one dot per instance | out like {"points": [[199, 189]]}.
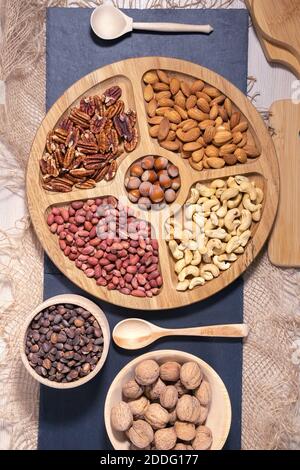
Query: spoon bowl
{"points": [[136, 333]]}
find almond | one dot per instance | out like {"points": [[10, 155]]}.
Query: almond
{"points": [[191, 146], [214, 112], [205, 164], [251, 151], [243, 142], [216, 162], [191, 101], [173, 145], [197, 85], [174, 85], [166, 102], [209, 134], [163, 76], [236, 137], [162, 110], [235, 119], [150, 77], [155, 120], [164, 128], [203, 105], [211, 91], [223, 113], [228, 107], [173, 116], [163, 94], [198, 115], [241, 127], [201, 94], [198, 155], [196, 165], [182, 112], [160, 86], [230, 159], [148, 93], [206, 123], [212, 151], [180, 99], [217, 100], [241, 155], [189, 136], [171, 135], [153, 131], [151, 107], [227, 148], [188, 124], [219, 121], [222, 137], [185, 88]]}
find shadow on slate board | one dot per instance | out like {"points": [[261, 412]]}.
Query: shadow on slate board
{"points": [[73, 419]]}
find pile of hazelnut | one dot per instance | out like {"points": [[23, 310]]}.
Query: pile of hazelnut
{"points": [[152, 180], [165, 407]]}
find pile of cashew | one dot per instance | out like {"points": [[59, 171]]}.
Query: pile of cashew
{"points": [[216, 227]]}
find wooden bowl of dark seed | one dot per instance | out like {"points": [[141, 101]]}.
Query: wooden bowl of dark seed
{"points": [[65, 341]]}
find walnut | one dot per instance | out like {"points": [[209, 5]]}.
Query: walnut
{"points": [[132, 390], [203, 393], [140, 434], [146, 372], [172, 416], [121, 416], [180, 446], [191, 375], [203, 415], [170, 371], [169, 397], [203, 438], [188, 409], [153, 391], [139, 406], [185, 431], [165, 439], [157, 416], [181, 390]]}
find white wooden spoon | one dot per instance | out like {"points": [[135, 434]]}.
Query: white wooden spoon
{"points": [[108, 22], [135, 333]]}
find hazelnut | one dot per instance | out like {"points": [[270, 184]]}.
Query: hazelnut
{"points": [[180, 389], [165, 439], [144, 188], [132, 390], [139, 406], [146, 372], [165, 181], [170, 371], [180, 446], [133, 182], [191, 375], [144, 203], [157, 416], [121, 416], [203, 438], [173, 171], [140, 434], [160, 163], [188, 409], [149, 175], [136, 169], [172, 416], [156, 194], [169, 397], [162, 172], [170, 195], [176, 183], [134, 195], [185, 431], [203, 393], [153, 391], [148, 162]]}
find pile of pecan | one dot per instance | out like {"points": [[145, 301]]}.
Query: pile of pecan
{"points": [[83, 149]]}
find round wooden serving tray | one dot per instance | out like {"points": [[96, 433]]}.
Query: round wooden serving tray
{"points": [[128, 75]]}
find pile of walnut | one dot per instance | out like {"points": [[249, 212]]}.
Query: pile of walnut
{"points": [[197, 120], [216, 228], [82, 150], [165, 407]]}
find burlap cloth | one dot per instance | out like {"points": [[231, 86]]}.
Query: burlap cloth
{"points": [[271, 295]]}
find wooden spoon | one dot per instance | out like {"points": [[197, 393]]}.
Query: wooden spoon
{"points": [[135, 333]]}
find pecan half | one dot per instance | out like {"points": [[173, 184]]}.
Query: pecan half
{"points": [[111, 95], [87, 147], [81, 172], [123, 126], [87, 184], [87, 105], [80, 118], [111, 171], [72, 137], [97, 123], [129, 146], [69, 157], [115, 109], [100, 106]]}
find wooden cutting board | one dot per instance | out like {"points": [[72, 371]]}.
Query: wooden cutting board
{"points": [[284, 244], [273, 52], [279, 22], [128, 74]]}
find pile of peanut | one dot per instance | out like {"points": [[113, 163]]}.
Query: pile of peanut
{"points": [[197, 120], [109, 244], [165, 407], [217, 226]]}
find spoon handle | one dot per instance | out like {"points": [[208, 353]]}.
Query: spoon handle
{"points": [[219, 331], [174, 27]]}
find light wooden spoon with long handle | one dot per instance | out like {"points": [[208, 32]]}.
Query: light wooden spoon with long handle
{"points": [[135, 333]]}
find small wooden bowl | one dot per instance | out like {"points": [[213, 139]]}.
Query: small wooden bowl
{"points": [[219, 416], [78, 301]]}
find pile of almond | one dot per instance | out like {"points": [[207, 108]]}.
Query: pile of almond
{"points": [[197, 120]]}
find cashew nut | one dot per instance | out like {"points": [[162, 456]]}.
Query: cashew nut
{"points": [[188, 271], [214, 219], [235, 202], [222, 265], [246, 220], [244, 237], [182, 286], [228, 257], [208, 225], [223, 210], [221, 223], [212, 268], [214, 246], [196, 281], [247, 187], [231, 183], [229, 194], [199, 219], [239, 179], [217, 233], [209, 205], [188, 256], [230, 222], [179, 265], [259, 196], [249, 205], [256, 216], [207, 257], [196, 258], [193, 197], [177, 254], [190, 210], [204, 190], [216, 184], [240, 250], [233, 244]]}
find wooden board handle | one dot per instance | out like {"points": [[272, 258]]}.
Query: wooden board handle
{"points": [[219, 331]]}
